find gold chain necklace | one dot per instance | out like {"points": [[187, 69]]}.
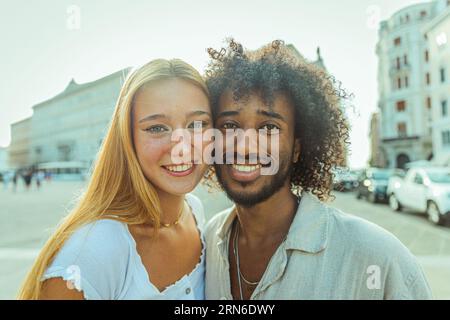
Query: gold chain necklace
{"points": [[167, 225]]}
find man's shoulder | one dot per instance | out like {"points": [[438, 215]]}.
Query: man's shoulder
{"points": [[366, 239]]}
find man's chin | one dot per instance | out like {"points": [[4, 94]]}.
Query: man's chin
{"points": [[250, 193], [247, 199], [246, 194]]}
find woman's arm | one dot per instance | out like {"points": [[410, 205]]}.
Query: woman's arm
{"points": [[57, 289]]}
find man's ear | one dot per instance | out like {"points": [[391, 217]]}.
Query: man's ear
{"points": [[297, 149]]}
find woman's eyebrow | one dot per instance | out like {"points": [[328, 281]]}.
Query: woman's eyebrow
{"points": [[152, 117], [199, 113], [160, 115]]}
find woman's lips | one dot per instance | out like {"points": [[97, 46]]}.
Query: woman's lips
{"points": [[245, 172], [179, 170]]}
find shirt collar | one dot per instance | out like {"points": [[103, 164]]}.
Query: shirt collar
{"points": [[308, 231]]}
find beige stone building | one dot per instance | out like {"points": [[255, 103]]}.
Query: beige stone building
{"points": [[68, 127]]}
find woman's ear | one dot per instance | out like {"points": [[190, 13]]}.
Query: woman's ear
{"points": [[297, 149]]}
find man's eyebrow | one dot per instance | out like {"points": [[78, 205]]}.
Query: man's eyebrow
{"points": [[152, 117], [227, 113], [271, 114]]}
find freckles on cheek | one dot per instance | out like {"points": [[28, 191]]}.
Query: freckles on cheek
{"points": [[151, 150]]}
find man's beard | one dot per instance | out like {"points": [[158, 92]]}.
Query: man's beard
{"points": [[273, 185]]}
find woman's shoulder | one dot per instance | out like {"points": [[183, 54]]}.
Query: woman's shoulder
{"points": [[100, 245], [95, 258], [104, 234]]}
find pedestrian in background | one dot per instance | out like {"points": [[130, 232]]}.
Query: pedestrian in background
{"points": [[15, 176], [27, 176], [6, 179], [39, 176]]}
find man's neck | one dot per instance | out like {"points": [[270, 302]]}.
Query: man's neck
{"points": [[268, 221]]}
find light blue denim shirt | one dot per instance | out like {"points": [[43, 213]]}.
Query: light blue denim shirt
{"points": [[327, 255], [101, 260]]}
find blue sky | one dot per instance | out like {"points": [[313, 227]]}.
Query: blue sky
{"points": [[39, 53]]}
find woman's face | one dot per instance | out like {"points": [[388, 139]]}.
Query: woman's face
{"points": [[159, 109]]}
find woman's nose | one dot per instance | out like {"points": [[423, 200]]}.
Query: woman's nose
{"points": [[181, 146]]}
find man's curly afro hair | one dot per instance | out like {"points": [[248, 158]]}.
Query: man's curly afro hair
{"points": [[320, 123]]}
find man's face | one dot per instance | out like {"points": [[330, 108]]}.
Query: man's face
{"points": [[245, 184]]}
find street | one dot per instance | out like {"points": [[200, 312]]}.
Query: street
{"points": [[27, 218]]}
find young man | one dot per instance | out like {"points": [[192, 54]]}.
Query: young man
{"points": [[280, 240]]}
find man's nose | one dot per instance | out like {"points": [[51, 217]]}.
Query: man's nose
{"points": [[247, 145]]}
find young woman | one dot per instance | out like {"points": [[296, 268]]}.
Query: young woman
{"points": [[136, 233]]}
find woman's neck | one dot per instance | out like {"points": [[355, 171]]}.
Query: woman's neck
{"points": [[171, 206]]}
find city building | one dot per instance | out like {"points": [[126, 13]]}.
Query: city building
{"points": [[437, 33], [3, 159], [405, 80], [68, 127], [377, 156], [20, 146]]}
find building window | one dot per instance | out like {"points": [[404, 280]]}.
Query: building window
{"points": [[65, 152], [427, 56], [401, 129], [407, 16], [397, 41], [405, 59], [398, 63], [399, 83], [401, 105], [423, 14], [406, 82], [446, 138], [442, 75], [428, 102], [444, 110], [428, 78]]}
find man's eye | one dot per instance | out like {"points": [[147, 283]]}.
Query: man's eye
{"points": [[198, 124], [270, 127], [156, 129], [229, 126]]}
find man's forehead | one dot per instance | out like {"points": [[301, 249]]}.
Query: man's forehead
{"points": [[254, 100]]}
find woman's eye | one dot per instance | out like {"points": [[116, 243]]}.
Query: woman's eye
{"points": [[198, 124], [156, 129], [270, 127]]}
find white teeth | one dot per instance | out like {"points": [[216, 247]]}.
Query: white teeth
{"points": [[246, 168], [180, 168]]}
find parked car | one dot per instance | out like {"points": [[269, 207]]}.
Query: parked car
{"points": [[373, 182], [345, 180], [425, 190]]}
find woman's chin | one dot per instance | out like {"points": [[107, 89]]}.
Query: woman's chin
{"points": [[179, 187]]}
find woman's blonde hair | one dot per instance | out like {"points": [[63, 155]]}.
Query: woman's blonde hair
{"points": [[117, 188]]}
